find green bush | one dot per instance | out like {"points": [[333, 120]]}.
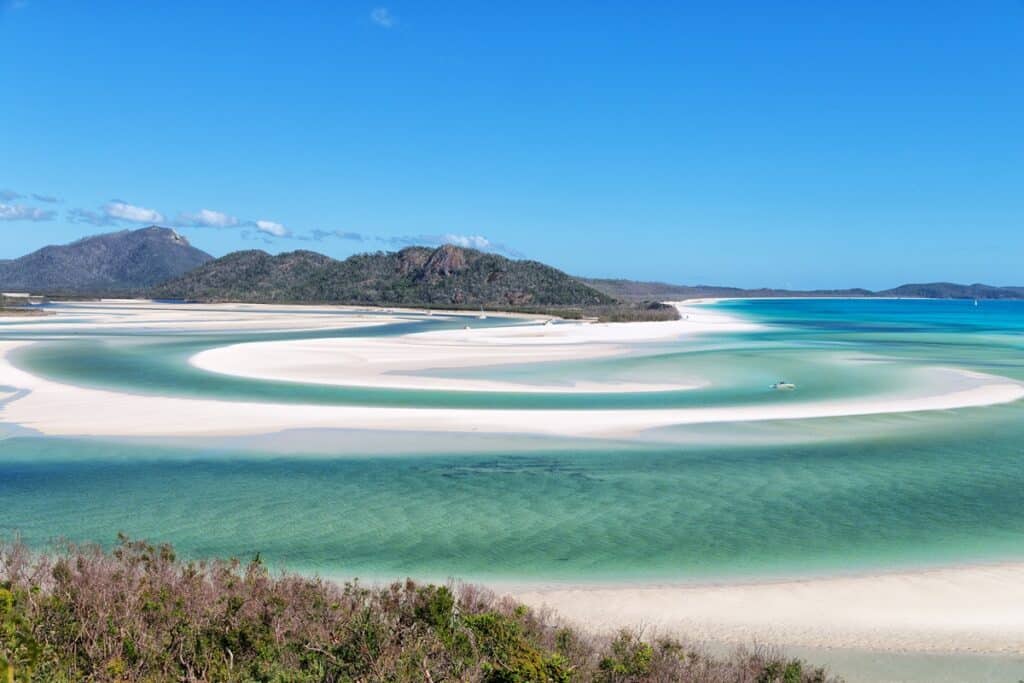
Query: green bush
{"points": [[139, 614]]}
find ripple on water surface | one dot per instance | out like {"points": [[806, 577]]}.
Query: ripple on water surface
{"points": [[669, 514], [806, 496]]}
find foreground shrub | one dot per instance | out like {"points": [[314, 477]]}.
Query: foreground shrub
{"points": [[139, 613]]}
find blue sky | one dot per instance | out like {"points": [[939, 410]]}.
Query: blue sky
{"points": [[804, 144]]}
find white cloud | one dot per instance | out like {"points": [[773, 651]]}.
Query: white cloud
{"points": [[8, 195], [382, 17], [49, 199], [468, 241], [272, 228], [123, 211], [471, 241], [207, 218], [87, 216], [19, 212]]}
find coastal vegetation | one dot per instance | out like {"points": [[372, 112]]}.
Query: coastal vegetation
{"points": [[445, 276], [138, 613]]}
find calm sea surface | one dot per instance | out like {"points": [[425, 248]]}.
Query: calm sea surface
{"points": [[787, 498]]}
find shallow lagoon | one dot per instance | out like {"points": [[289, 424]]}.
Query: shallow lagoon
{"points": [[788, 498]]}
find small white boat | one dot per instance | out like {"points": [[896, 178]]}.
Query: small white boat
{"points": [[482, 316], [783, 386]]}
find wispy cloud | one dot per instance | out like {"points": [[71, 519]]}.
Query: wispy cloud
{"points": [[206, 218], [383, 17], [20, 212], [254, 236], [10, 195], [88, 216], [272, 228], [321, 235], [469, 241], [121, 213]]}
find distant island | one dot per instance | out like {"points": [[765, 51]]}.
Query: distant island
{"points": [[160, 263], [632, 290]]}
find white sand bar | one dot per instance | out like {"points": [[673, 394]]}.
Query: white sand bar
{"points": [[391, 361], [60, 409], [978, 609]]}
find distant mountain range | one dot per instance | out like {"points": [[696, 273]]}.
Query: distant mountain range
{"points": [[158, 262], [115, 263], [631, 290]]}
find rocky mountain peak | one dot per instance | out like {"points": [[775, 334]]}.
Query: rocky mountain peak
{"points": [[446, 260]]}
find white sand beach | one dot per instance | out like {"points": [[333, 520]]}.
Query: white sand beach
{"points": [[141, 315], [59, 409], [975, 609], [389, 361], [64, 410]]}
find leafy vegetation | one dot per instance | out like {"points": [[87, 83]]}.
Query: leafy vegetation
{"points": [[416, 276], [448, 277], [139, 613]]}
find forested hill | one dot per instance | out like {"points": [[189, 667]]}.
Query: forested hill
{"points": [[951, 290], [115, 263], [415, 276]]}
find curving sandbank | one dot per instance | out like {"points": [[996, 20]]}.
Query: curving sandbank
{"points": [[60, 409], [972, 609], [391, 362], [151, 316]]}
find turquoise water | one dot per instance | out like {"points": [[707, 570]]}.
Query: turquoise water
{"points": [[744, 500]]}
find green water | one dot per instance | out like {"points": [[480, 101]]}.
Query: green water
{"points": [[774, 499]]}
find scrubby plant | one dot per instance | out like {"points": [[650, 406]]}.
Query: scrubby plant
{"points": [[139, 613]]}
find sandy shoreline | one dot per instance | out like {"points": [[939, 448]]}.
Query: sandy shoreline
{"points": [[64, 410], [390, 361], [58, 409], [972, 609]]}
